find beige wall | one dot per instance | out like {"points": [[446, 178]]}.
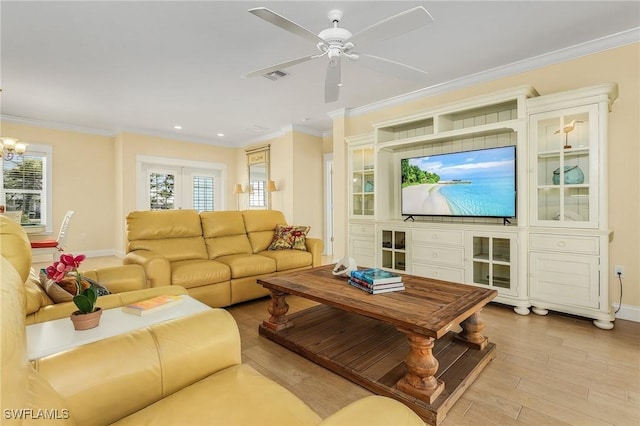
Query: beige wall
{"points": [[307, 197], [620, 65], [84, 181], [296, 168]]}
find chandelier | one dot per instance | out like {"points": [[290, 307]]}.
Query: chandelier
{"points": [[10, 147]]}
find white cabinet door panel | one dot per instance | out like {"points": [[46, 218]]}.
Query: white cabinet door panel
{"points": [[565, 279]]}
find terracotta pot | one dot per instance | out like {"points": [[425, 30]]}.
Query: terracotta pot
{"points": [[86, 321]]}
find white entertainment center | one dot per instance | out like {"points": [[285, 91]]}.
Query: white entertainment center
{"points": [[553, 255]]}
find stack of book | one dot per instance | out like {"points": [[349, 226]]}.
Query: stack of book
{"points": [[376, 281]]}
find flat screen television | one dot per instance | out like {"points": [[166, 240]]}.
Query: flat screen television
{"points": [[479, 183]]}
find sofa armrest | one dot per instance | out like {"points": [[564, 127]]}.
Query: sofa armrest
{"points": [[62, 310], [374, 411], [157, 268], [315, 247], [119, 279], [104, 381]]}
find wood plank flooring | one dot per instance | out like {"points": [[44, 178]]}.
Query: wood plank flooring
{"points": [[371, 353], [551, 370]]}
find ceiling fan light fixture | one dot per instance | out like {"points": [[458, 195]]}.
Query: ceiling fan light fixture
{"points": [[335, 42]]}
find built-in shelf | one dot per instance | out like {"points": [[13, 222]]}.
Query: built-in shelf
{"points": [[553, 255]]}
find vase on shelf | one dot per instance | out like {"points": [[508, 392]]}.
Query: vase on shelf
{"points": [[572, 175]]}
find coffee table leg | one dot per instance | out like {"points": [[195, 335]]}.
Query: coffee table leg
{"points": [[420, 381], [278, 310], [471, 333]]}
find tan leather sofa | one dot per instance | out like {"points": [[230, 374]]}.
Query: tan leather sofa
{"points": [[187, 371], [127, 283], [216, 256]]}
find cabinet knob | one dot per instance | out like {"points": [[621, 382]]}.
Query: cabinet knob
{"points": [[561, 244], [434, 236], [434, 254]]}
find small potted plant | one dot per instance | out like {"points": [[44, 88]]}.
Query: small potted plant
{"points": [[66, 271]]}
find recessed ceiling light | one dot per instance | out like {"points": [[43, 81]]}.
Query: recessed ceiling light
{"points": [[177, 127], [221, 134]]}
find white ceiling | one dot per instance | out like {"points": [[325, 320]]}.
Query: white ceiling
{"points": [[145, 66]]}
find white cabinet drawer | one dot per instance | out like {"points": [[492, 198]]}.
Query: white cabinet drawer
{"points": [[362, 229], [363, 247], [433, 236], [564, 243], [439, 255], [439, 273]]}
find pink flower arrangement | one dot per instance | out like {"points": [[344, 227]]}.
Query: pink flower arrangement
{"points": [[65, 271], [67, 265]]}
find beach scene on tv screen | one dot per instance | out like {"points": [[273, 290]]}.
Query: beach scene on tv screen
{"points": [[470, 183]]}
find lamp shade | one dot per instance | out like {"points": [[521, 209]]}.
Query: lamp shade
{"points": [[271, 186], [237, 189]]}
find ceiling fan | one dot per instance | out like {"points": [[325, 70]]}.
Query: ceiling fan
{"points": [[336, 42]]}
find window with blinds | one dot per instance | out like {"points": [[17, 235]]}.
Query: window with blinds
{"points": [[23, 186], [203, 193]]}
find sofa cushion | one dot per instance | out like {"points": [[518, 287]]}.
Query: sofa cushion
{"points": [[289, 237], [260, 225], [224, 233], [289, 259], [223, 246], [163, 224], [196, 273], [248, 265], [175, 234], [238, 395], [173, 249], [222, 224]]}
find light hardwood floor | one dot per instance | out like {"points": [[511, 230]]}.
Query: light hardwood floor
{"points": [[551, 370]]}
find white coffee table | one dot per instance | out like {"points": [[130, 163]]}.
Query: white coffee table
{"points": [[55, 336]]}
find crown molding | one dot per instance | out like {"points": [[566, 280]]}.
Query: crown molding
{"points": [[108, 133], [177, 137], [303, 129], [340, 113], [56, 125], [283, 131], [562, 55]]}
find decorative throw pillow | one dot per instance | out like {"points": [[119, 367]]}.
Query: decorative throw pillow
{"points": [[289, 237], [66, 289]]}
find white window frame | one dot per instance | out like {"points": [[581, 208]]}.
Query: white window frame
{"points": [[46, 207], [185, 168]]}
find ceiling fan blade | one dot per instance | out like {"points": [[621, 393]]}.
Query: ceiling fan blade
{"points": [[280, 66], [389, 66], [282, 22], [332, 81], [393, 26]]}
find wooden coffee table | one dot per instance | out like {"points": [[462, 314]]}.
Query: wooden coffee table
{"points": [[395, 344]]}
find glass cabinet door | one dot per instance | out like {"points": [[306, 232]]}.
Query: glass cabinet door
{"points": [[491, 265], [362, 189], [564, 151], [393, 250]]}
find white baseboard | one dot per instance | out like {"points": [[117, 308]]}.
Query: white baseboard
{"points": [[628, 312]]}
